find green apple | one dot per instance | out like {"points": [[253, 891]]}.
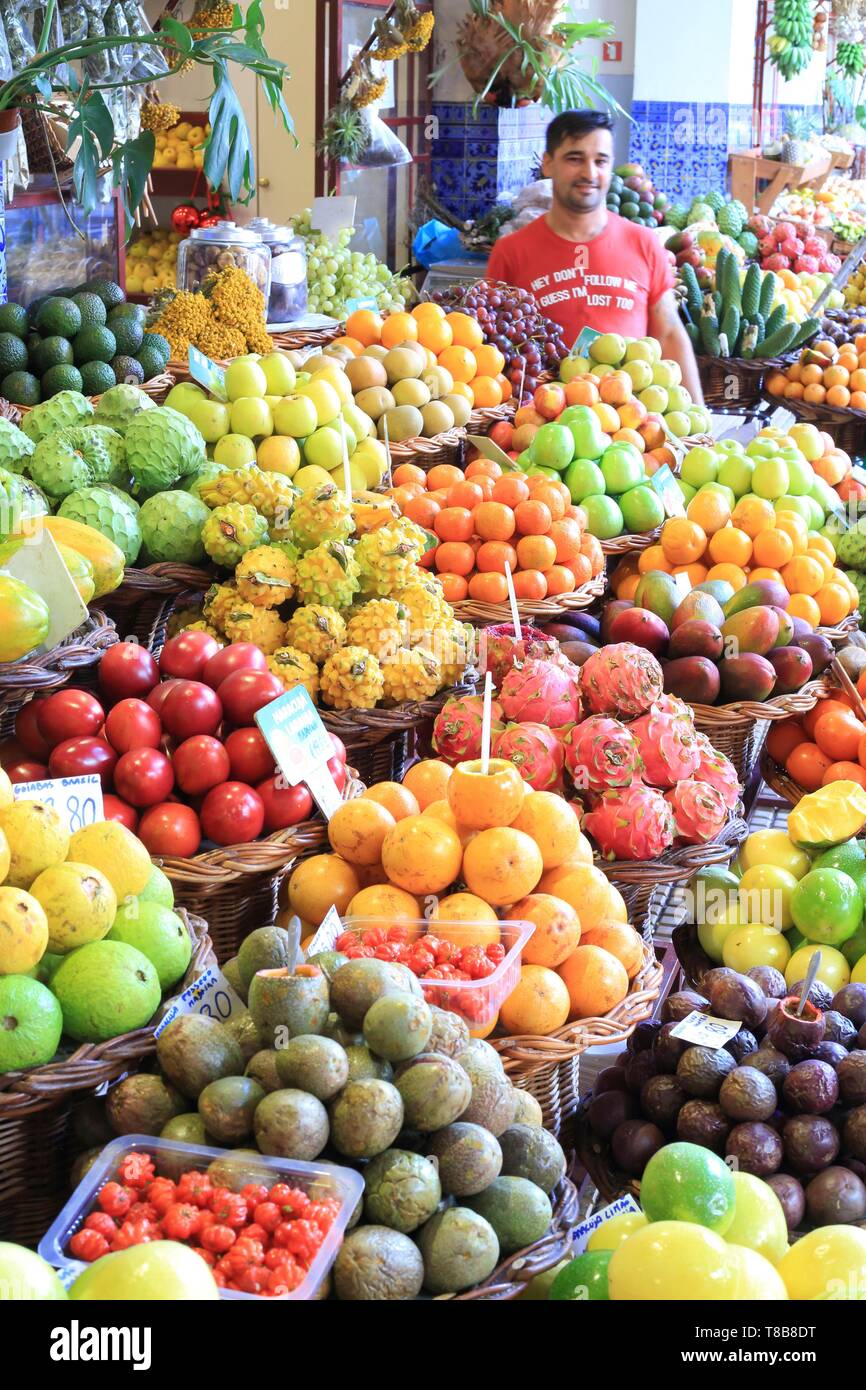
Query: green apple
{"points": [[701, 420], [800, 474], [808, 441], [180, 397], [584, 478], [324, 449], [654, 347], [621, 469], [756, 944], [700, 466], [679, 399], [762, 447], [726, 492], [251, 415], [25, 1275], [641, 373], [770, 478], [296, 415], [279, 373], [162, 1270], [235, 451], [552, 446], [773, 847], [800, 505], [211, 418], [641, 350], [324, 397], [603, 517], [359, 423], [608, 348], [678, 423], [667, 373], [371, 458], [571, 367], [357, 476], [245, 378], [729, 446], [655, 398], [735, 471], [343, 430]]}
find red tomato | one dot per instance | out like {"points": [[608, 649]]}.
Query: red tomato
{"points": [[143, 777], [199, 763], [158, 696], [191, 708], [187, 654], [115, 809], [337, 770], [237, 656], [26, 771], [251, 758], [127, 669], [77, 756], [284, 805], [27, 730], [339, 746], [232, 814], [133, 724], [170, 828], [244, 692], [69, 713]]}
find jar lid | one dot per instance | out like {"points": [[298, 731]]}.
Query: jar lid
{"points": [[227, 232]]}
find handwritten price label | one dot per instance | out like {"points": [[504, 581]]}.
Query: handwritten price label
{"points": [[329, 930], [210, 994], [582, 1232], [77, 799], [705, 1031]]}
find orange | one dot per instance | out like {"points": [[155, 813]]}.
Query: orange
{"points": [[764, 572], [596, 981], [394, 797], [388, 903], [753, 514], [428, 781], [784, 736], [365, 325], [621, 940], [493, 556], [322, 882], [839, 396], [466, 330], [730, 546], [486, 391], [494, 521], [464, 920], [807, 765], [803, 575], [825, 563], [833, 604], [776, 383], [794, 526], [489, 588], [682, 540], [482, 800], [422, 855], [505, 387], [489, 359], [533, 518], [454, 587], [460, 362], [628, 588], [845, 772], [697, 573], [501, 865], [407, 474], [434, 333], [357, 829], [773, 548], [589, 892], [653, 558], [816, 541], [539, 1003], [460, 388], [838, 733], [444, 475], [731, 574], [710, 510], [804, 606], [557, 929], [428, 309], [397, 328]]}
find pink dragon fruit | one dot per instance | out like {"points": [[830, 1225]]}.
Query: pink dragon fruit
{"points": [[784, 231], [699, 811], [767, 246], [600, 754], [668, 747], [536, 752], [541, 692], [832, 262], [500, 650], [622, 679], [814, 246], [457, 728], [778, 261], [808, 264], [719, 772], [631, 823]]}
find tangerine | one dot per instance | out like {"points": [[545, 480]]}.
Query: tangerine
{"points": [[489, 588], [560, 580], [422, 854], [494, 521], [682, 540], [365, 325], [653, 558], [510, 489], [444, 475], [466, 330], [493, 556], [530, 584], [533, 518], [845, 772], [783, 738], [455, 557], [807, 765], [838, 733], [454, 587], [501, 865], [536, 553], [596, 981], [397, 328]]}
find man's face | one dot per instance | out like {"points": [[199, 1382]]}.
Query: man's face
{"points": [[581, 169]]}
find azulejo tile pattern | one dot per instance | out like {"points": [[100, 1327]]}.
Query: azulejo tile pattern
{"points": [[477, 158]]}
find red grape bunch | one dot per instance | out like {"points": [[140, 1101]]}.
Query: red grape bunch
{"points": [[513, 322]]}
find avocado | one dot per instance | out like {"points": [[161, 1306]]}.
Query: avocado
{"points": [[13, 354], [127, 369], [94, 344], [519, 1212], [21, 387], [110, 293], [195, 1050], [142, 1105], [227, 1107], [91, 308], [58, 379], [96, 377], [58, 315], [127, 331]]}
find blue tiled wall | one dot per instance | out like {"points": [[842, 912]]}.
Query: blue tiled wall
{"points": [[476, 159]]}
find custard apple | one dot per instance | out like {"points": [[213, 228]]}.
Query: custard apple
{"points": [[859, 582], [230, 531], [63, 410], [108, 512], [119, 405], [701, 212], [15, 447], [69, 460], [20, 500], [676, 216], [161, 445], [714, 200], [732, 219], [113, 441], [851, 546], [171, 524]]}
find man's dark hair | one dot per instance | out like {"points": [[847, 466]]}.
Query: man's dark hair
{"points": [[573, 125]]}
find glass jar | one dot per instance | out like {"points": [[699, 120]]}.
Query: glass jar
{"points": [[220, 247], [288, 298]]}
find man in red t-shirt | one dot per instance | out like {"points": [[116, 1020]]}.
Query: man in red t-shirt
{"points": [[588, 267]]}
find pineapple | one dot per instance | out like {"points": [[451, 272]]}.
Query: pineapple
{"points": [[387, 558], [379, 625], [321, 514], [265, 576], [327, 575], [316, 630], [244, 622], [352, 679], [270, 493], [796, 143], [410, 676], [294, 667], [231, 531]]}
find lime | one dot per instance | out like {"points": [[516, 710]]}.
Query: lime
{"points": [[13, 319], [827, 906], [603, 517], [158, 889], [759, 1221], [641, 509], [849, 857], [673, 1261], [584, 1279], [32, 1023], [158, 933], [684, 1182], [22, 388], [854, 947]]}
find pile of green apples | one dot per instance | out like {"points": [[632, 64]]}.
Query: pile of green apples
{"points": [[775, 466]]}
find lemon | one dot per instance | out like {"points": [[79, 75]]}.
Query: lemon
{"points": [[115, 851], [23, 931], [79, 903], [37, 837]]}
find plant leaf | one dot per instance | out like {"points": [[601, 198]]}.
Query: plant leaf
{"points": [[228, 153], [92, 127], [132, 162], [177, 32]]}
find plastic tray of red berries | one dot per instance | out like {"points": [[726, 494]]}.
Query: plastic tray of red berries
{"points": [[267, 1227], [467, 967]]}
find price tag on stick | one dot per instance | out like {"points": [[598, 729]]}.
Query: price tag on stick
{"points": [[665, 484], [77, 799], [207, 373], [301, 745], [329, 929]]}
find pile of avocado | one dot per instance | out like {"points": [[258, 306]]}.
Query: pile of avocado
{"points": [[83, 339], [457, 1167]]}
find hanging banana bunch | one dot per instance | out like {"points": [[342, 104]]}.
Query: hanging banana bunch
{"points": [[790, 44], [851, 59]]}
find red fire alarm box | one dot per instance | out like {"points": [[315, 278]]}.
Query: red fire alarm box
{"points": [[611, 51]]}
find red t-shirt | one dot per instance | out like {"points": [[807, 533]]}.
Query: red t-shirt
{"points": [[608, 284]]}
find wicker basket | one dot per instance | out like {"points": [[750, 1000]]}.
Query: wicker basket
{"points": [[532, 611], [630, 545], [145, 594], [157, 388], [547, 1067], [39, 674], [735, 381], [693, 959], [36, 1106], [296, 339], [511, 1277], [847, 427], [779, 781], [841, 634], [427, 453], [380, 743], [738, 730]]}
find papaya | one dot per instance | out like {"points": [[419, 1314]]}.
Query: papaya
{"points": [[828, 817], [81, 571], [105, 557], [24, 618]]}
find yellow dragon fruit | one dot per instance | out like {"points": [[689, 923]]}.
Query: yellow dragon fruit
{"points": [[328, 574], [410, 675], [320, 514], [316, 630], [380, 626], [352, 679], [264, 576], [387, 558], [244, 622], [294, 667]]}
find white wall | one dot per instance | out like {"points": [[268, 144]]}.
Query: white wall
{"points": [[683, 50]]}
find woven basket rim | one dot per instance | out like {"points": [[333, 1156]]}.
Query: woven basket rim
{"points": [[678, 865], [381, 721], [836, 414], [778, 780], [82, 647], [750, 711], [153, 387], [530, 610], [165, 578], [747, 366], [513, 1274], [91, 1064]]}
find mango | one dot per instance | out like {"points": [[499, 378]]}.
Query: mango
{"points": [[747, 677], [752, 630], [762, 591], [642, 628], [696, 638], [793, 668], [658, 592], [828, 817], [694, 679], [698, 605]]}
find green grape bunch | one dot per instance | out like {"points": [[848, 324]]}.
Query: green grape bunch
{"points": [[336, 275]]}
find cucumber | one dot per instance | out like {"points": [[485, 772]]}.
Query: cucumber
{"points": [[761, 326], [776, 343], [751, 291], [807, 329], [718, 304], [777, 318], [730, 326], [769, 286], [694, 335], [734, 294], [721, 270]]}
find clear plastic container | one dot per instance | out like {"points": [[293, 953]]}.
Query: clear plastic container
{"points": [[219, 247], [170, 1160], [288, 297], [476, 1001]]}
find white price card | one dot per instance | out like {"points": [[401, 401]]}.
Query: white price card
{"points": [[705, 1031], [489, 450], [210, 994], [77, 799], [35, 560], [330, 928], [665, 484], [581, 1233], [301, 745], [331, 215]]}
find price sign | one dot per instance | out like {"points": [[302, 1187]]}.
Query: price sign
{"points": [[581, 1233], [207, 373], [331, 215], [858, 473], [489, 450], [705, 1031], [77, 799], [301, 745], [326, 936], [210, 994], [580, 346], [364, 301], [665, 484]]}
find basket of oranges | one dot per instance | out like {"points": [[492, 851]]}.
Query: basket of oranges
{"points": [[826, 386], [827, 744]]}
